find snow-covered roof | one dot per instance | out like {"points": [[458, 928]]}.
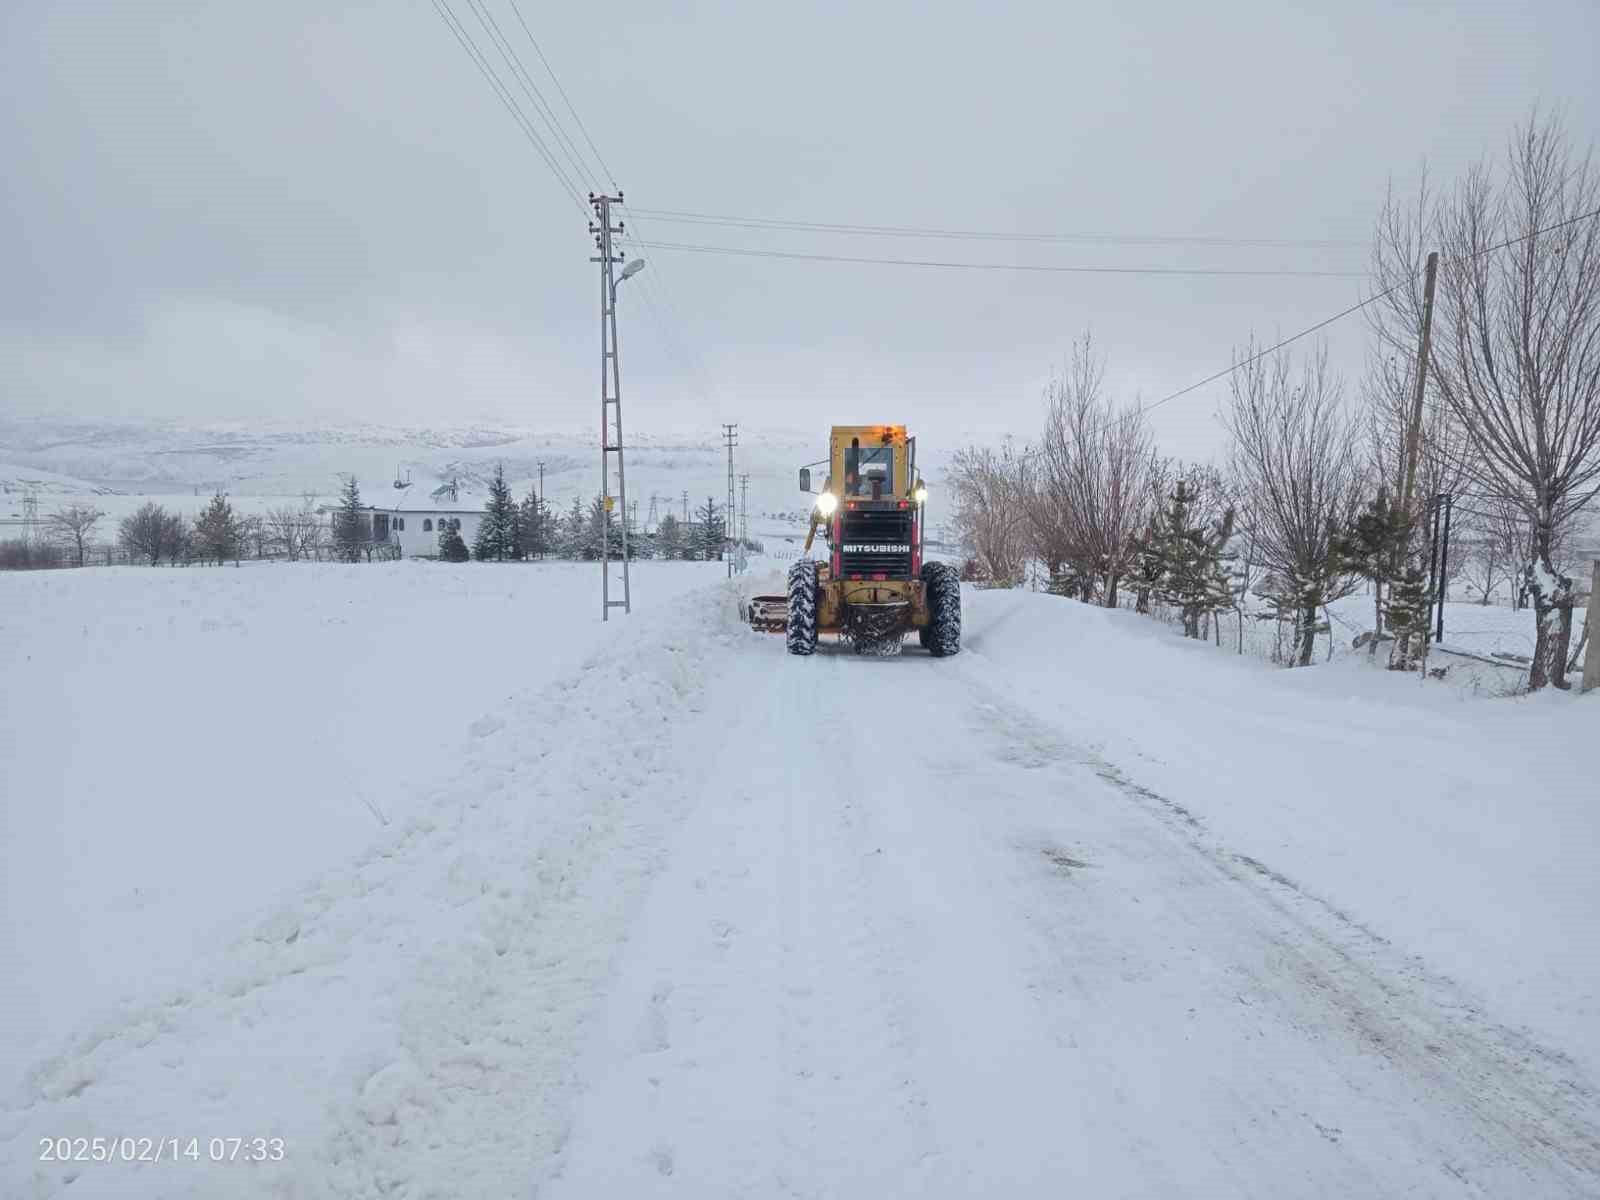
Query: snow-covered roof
{"points": [[464, 505], [441, 499]]}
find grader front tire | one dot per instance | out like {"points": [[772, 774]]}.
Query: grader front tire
{"points": [[801, 632], [942, 634]]}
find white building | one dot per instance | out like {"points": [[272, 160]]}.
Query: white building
{"points": [[415, 522]]}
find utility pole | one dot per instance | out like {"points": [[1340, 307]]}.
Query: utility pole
{"points": [[730, 434], [541, 516], [1400, 655], [744, 508], [1424, 344], [610, 400]]}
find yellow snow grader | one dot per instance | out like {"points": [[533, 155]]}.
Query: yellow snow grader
{"points": [[873, 587]]}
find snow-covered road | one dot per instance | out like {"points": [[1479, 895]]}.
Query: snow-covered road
{"points": [[913, 940], [704, 920]]}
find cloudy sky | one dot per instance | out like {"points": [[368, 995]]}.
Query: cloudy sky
{"points": [[304, 210]]}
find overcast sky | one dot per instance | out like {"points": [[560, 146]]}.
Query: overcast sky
{"points": [[314, 209]]}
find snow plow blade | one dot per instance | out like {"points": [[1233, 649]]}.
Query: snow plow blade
{"points": [[768, 614]]}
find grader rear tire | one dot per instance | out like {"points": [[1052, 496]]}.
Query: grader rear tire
{"points": [[801, 633], [942, 634]]}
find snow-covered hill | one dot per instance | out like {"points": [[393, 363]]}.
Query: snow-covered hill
{"points": [[262, 463]]}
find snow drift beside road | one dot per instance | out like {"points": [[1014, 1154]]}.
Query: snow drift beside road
{"points": [[404, 1018], [180, 747], [1463, 829]]}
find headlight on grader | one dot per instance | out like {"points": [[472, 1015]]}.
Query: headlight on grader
{"points": [[826, 503], [920, 495]]}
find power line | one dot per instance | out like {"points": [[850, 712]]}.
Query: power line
{"points": [[582, 128], [451, 21], [519, 72], [664, 315], [1363, 304], [911, 231], [970, 266], [1310, 329], [1338, 316], [654, 308]]}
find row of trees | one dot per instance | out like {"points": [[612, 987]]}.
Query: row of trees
{"points": [[1318, 491], [153, 534], [509, 530]]}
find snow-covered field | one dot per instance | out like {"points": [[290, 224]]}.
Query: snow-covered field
{"points": [[663, 911], [182, 746]]}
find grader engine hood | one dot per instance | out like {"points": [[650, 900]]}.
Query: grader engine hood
{"points": [[875, 541]]}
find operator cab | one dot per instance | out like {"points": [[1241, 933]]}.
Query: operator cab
{"points": [[869, 471]]}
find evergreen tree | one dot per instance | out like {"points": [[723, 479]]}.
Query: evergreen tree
{"points": [[1187, 559], [533, 527], [574, 531], [595, 532], [349, 523], [1373, 548], [452, 548], [709, 532], [217, 532], [1149, 563], [497, 535], [669, 537]]}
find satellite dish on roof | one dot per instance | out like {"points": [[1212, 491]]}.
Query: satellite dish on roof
{"points": [[399, 483]]}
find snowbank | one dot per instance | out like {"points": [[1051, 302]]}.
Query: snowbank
{"points": [[1464, 830], [180, 747], [412, 1007]]}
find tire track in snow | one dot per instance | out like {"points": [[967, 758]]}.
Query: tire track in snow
{"points": [[782, 997], [1495, 1107], [851, 1060]]}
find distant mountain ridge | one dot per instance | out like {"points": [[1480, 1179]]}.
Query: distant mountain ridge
{"points": [[64, 456]]}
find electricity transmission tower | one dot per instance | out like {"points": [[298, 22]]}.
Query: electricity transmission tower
{"points": [[30, 517], [652, 521], [730, 434], [610, 398], [686, 509]]}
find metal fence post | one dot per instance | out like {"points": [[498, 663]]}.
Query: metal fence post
{"points": [[1591, 657]]}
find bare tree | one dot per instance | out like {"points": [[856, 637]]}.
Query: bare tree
{"points": [[297, 530], [1098, 462], [73, 526], [1294, 457], [152, 533], [990, 511], [253, 532], [1496, 541], [1517, 352]]}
